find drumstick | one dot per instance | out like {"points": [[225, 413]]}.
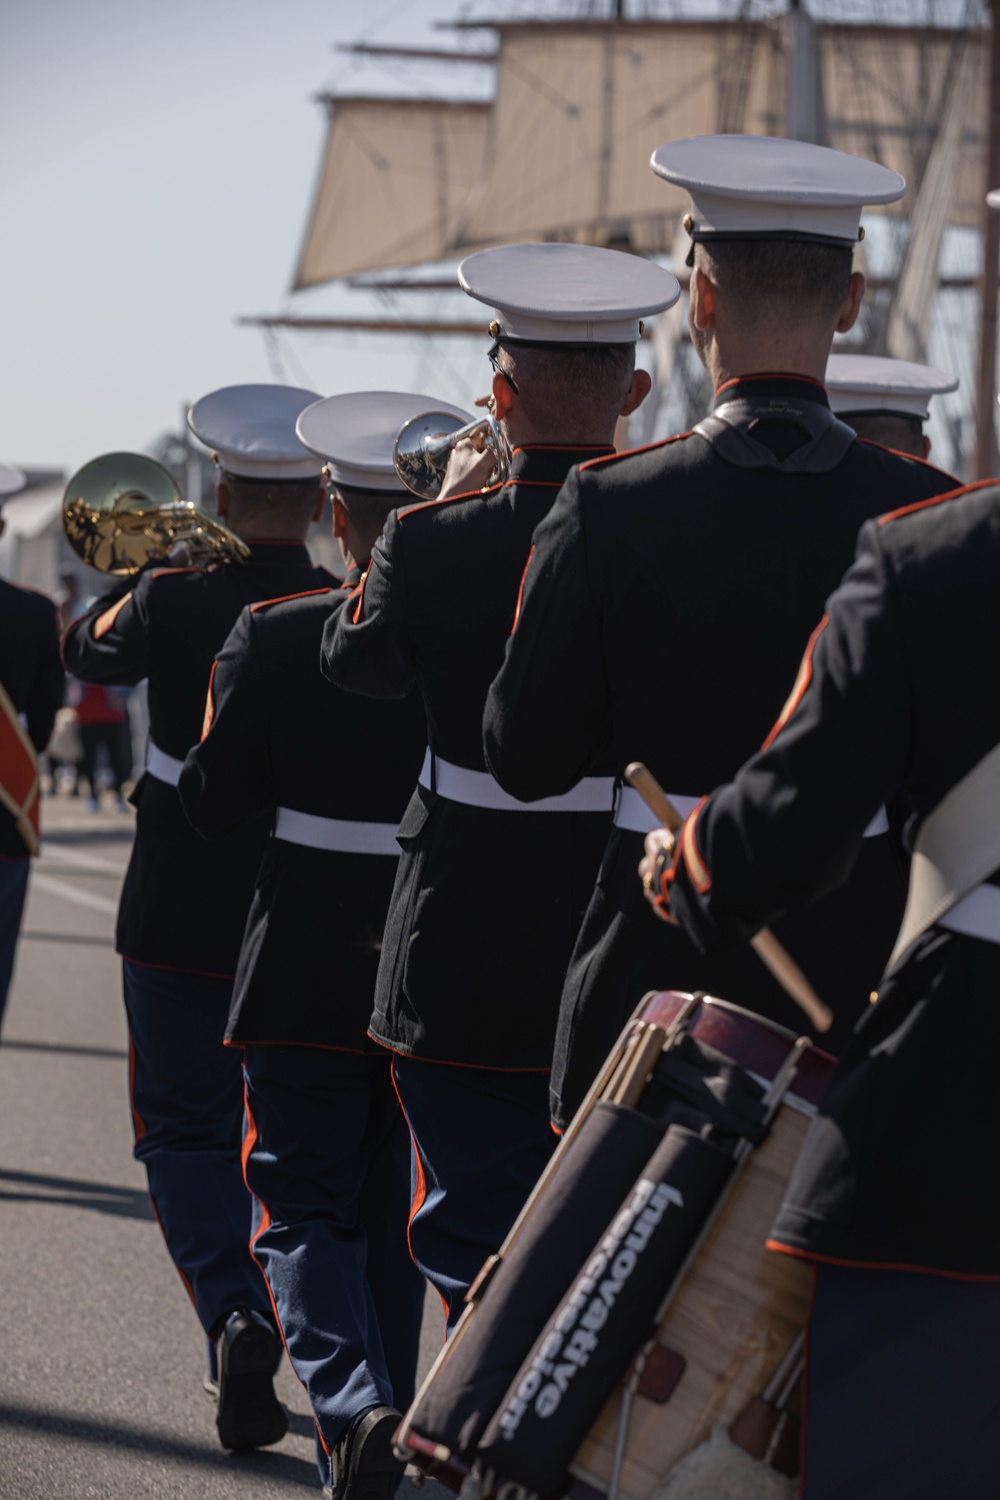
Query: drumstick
{"points": [[771, 953]]}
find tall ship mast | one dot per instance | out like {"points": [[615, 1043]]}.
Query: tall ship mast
{"points": [[544, 132]]}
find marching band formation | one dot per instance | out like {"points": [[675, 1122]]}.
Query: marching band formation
{"points": [[395, 1040]]}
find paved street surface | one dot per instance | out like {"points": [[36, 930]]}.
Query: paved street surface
{"points": [[101, 1357]]}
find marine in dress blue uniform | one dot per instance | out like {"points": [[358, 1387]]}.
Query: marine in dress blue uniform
{"points": [[31, 690], [468, 989], [892, 1196], [184, 902], [327, 1150], [885, 400], [732, 536]]}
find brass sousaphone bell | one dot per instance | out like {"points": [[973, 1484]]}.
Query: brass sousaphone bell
{"points": [[123, 510], [424, 445]]}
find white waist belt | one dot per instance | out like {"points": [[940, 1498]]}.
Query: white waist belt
{"points": [[976, 915], [339, 834], [478, 789], [163, 766], [632, 813]]}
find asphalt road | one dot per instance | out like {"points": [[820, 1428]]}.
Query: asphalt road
{"points": [[101, 1357]]}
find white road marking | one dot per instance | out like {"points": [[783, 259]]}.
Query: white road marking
{"points": [[70, 893], [55, 851]]}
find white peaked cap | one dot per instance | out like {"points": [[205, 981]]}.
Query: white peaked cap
{"points": [[251, 430], [871, 382], [567, 294], [763, 187], [11, 480], [356, 433]]}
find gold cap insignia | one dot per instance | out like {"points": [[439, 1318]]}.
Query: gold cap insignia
{"points": [[494, 329]]}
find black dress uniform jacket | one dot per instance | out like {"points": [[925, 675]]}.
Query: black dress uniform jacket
{"points": [[281, 737], [32, 675], [668, 599], [467, 976], [184, 903], [897, 694]]}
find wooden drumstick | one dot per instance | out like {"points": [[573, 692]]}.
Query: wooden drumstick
{"points": [[771, 953]]}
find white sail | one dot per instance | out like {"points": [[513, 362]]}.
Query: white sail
{"points": [[579, 109], [393, 176], [932, 206], [578, 112], [890, 91]]}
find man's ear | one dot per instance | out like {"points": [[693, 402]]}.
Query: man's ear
{"points": [[503, 396], [642, 384], [340, 516], [925, 448], [3, 524], [852, 303], [222, 498], [704, 296], [320, 505]]}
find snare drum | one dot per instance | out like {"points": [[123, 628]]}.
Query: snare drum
{"points": [[740, 1306]]}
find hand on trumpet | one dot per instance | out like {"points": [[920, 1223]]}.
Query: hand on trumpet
{"points": [[471, 464]]}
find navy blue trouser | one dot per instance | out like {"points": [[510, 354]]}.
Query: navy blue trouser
{"points": [[327, 1160], [902, 1387], [187, 1115], [480, 1140], [13, 888]]}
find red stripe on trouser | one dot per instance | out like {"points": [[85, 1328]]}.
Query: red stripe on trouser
{"points": [[250, 1138], [419, 1186], [138, 1131]]}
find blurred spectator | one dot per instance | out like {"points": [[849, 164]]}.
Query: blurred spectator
{"points": [[102, 719], [68, 598]]}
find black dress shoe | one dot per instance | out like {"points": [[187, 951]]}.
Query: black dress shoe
{"points": [[362, 1462], [249, 1353]]}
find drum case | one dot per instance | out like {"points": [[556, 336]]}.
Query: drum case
{"points": [[595, 1258]]}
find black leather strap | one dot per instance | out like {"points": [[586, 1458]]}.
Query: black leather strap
{"points": [[730, 430]]}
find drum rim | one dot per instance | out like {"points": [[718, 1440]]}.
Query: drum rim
{"points": [[718, 1003]]}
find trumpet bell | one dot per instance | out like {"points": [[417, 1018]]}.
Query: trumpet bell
{"points": [[123, 510], [425, 444]]}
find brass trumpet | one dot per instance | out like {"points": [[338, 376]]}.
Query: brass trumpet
{"points": [[424, 445], [123, 510]]}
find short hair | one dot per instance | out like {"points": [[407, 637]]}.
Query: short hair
{"points": [[573, 388], [283, 499], [905, 434], [369, 509], [805, 278]]}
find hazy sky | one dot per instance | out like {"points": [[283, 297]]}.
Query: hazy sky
{"points": [[157, 159]]}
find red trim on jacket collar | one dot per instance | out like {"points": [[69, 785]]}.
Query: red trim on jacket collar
{"points": [[769, 375]]}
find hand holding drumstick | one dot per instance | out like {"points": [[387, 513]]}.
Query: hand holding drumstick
{"points": [[781, 964]]}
